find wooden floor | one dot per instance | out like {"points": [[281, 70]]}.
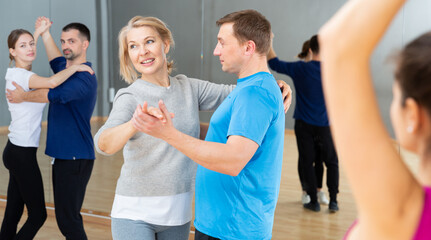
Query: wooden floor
{"points": [[291, 220]]}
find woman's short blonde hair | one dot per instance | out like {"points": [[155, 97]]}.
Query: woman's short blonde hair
{"points": [[127, 71]]}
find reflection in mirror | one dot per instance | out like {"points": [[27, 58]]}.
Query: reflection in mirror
{"points": [[193, 25]]}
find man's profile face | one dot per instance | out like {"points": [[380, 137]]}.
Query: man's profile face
{"points": [[72, 44], [229, 50]]}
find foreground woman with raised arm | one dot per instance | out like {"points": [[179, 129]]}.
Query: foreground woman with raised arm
{"points": [[392, 202]]}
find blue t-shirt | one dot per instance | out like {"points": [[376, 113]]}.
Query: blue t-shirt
{"points": [[242, 207], [70, 108], [310, 103]]}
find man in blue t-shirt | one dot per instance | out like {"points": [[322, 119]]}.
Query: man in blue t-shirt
{"points": [[69, 140], [313, 134], [238, 180]]}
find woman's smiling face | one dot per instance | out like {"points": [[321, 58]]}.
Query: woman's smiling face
{"points": [[147, 51]]}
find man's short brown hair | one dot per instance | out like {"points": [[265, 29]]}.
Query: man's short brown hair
{"points": [[250, 25]]}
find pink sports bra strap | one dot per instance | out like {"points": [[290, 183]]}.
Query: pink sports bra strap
{"points": [[350, 229]]}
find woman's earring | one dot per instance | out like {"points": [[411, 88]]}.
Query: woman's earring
{"points": [[410, 129]]}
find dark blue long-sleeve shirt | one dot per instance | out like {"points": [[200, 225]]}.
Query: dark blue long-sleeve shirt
{"points": [[310, 103], [71, 106]]}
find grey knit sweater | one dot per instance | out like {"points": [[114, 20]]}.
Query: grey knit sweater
{"points": [[151, 166]]}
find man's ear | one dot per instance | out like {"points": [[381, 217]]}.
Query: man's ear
{"points": [[85, 44], [250, 47]]}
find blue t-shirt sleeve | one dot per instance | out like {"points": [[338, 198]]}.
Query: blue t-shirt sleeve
{"points": [[252, 113]]}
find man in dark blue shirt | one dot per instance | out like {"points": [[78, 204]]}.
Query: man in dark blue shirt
{"points": [[312, 130], [69, 140]]}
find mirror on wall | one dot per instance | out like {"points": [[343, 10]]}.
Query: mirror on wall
{"points": [[193, 25]]}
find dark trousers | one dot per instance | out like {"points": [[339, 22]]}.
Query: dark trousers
{"points": [[70, 179], [315, 144], [318, 170], [25, 188], [203, 236]]}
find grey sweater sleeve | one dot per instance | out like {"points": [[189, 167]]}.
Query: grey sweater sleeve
{"points": [[122, 111], [151, 166], [211, 95]]}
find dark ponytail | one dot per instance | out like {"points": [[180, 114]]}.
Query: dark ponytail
{"points": [[305, 49], [314, 44]]}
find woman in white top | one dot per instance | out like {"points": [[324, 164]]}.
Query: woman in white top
{"points": [[19, 156]]}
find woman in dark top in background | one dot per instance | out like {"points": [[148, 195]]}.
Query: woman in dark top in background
{"points": [[312, 130]]}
